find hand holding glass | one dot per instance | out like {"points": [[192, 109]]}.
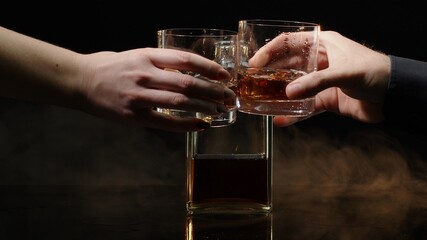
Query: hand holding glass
{"points": [[271, 54], [216, 44]]}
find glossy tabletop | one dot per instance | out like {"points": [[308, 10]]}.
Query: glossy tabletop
{"points": [[158, 212]]}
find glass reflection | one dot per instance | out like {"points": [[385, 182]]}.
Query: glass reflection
{"points": [[229, 226]]}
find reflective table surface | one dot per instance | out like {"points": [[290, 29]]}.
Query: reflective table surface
{"points": [[158, 212]]}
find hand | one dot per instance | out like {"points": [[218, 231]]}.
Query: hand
{"points": [[351, 81], [124, 86], [129, 85]]}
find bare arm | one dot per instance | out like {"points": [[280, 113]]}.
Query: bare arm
{"points": [[35, 70], [123, 86]]}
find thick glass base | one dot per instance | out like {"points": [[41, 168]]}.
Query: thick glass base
{"points": [[228, 208], [229, 226], [291, 108], [222, 120]]}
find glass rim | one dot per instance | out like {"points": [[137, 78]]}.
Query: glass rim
{"points": [[278, 22], [197, 31]]}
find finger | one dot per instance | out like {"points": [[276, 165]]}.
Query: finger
{"points": [[181, 60], [174, 100], [313, 83], [283, 51], [263, 55], [174, 81]]}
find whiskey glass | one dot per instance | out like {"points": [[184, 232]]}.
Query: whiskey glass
{"points": [[218, 45], [271, 54]]}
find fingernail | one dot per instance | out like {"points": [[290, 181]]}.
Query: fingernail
{"points": [[203, 125], [293, 88], [229, 94], [223, 74]]}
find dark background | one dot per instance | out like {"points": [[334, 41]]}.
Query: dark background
{"points": [[49, 145]]}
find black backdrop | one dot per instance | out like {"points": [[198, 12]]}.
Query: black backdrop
{"points": [[395, 27], [50, 145]]}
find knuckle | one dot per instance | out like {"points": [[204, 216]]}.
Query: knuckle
{"points": [[186, 81], [184, 57], [178, 100]]}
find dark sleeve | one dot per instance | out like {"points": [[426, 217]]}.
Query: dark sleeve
{"points": [[406, 98]]}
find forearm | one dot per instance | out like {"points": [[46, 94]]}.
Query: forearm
{"points": [[408, 80], [36, 71], [406, 98]]}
